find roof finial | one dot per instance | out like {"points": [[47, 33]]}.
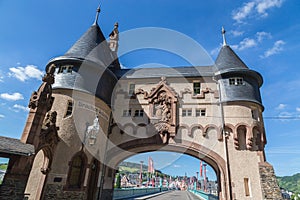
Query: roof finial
{"points": [[224, 38], [97, 15]]}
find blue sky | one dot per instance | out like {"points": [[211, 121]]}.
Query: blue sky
{"points": [[264, 33]]}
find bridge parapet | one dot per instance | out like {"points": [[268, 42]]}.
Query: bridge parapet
{"points": [[204, 195], [135, 192]]}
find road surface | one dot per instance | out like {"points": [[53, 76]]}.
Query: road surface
{"points": [[172, 195]]}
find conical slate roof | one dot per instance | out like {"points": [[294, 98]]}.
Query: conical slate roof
{"points": [[227, 59], [92, 46]]}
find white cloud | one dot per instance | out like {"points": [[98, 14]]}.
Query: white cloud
{"points": [[18, 107], [263, 5], [243, 12], [277, 48], [237, 33], [285, 115], [176, 166], [298, 109], [1, 76], [1, 116], [25, 73], [12, 97], [281, 106], [215, 51], [255, 8], [245, 44], [262, 35]]}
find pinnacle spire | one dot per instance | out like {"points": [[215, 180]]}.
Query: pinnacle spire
{"points": [[224, 38], [97, 15]]}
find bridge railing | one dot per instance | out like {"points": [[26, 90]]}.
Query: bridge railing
{"points": [[204, 195], [135, 192]]}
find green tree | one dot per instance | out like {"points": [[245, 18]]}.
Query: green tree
{"points": [[118, 181]]}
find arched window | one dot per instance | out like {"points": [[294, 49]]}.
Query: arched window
{"points": [[76, 171], [257, 136], [242, 132]]}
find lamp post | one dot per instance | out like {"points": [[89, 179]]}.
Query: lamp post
{"points": [[91, 132]]}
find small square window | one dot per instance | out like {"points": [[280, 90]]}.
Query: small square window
{"points": [[200, 112], [239, 81], [196, 88], [65, 69], [231, 81], [236, 81], [139, 113], [127, 113], [186, 112]]}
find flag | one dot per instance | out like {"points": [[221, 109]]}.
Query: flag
{"points": [[150, 165], [201, 170], [205, 171], [205, 178]]}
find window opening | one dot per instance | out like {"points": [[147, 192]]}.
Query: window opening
{"points": [[200, 112], [197, 88]]}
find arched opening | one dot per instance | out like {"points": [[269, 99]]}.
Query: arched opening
{"points": [[213, 161], [257, 138], [3, 168], [76, 171], [241, 135], [38, 174], [170, 170]]}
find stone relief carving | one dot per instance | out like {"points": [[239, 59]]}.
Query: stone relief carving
{"points": [[114, 38], [163, 109], [49, 130]]}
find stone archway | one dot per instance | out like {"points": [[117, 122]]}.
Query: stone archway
{"points": [[134, 147]]}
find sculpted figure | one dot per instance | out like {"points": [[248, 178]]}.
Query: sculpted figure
{"points": [[114, 38]]}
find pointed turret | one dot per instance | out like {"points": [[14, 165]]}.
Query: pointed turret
{"points": [[87, 65], [237, 81], [227, 58], [92, 46]]}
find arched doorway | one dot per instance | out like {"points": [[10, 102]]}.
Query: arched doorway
{"points": [[93, 180], [38, 175]]}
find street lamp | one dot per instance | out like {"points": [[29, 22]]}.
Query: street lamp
{"points": [[92, 131]]}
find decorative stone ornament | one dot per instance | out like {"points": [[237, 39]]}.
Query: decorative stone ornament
{"points": [[44, 94], [162, 109]]}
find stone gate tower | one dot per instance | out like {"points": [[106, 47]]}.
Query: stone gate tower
{"points": [[96, 114]]}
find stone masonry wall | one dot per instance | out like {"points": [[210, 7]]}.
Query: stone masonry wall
{"points": [[270, 188], [54, 191], [12, 189]]}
